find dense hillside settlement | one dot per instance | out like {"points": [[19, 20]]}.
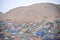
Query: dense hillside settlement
{"points": [[39, 21]]}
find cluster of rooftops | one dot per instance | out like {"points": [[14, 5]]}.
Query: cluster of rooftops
{"points": [[43, 29]]}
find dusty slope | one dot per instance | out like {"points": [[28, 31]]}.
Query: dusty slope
{"points": [[35, 12], [1, 16], [58, 5]]}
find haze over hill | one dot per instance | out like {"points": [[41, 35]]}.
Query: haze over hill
{"points": [[35, 13]]}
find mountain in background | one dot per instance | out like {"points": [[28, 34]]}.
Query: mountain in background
{"points": [[58, 6], [35, 12], [1, 16]]}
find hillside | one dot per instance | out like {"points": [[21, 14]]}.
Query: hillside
{"points": [[1, 16], [36, 12]]}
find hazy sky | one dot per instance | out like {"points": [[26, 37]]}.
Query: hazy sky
{"points": [[6, 5]]}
